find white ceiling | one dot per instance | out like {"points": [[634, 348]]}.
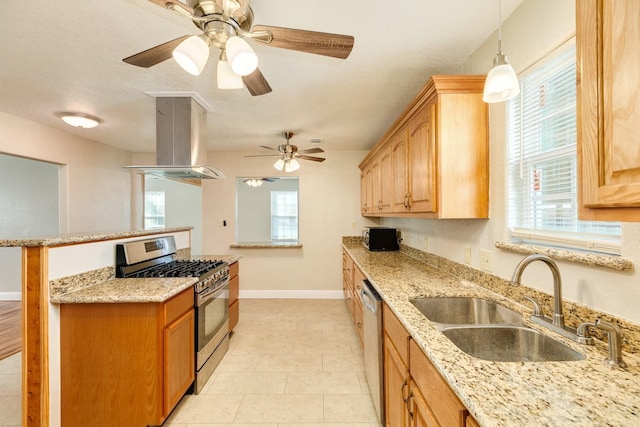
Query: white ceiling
{"points": [[67, 55]]}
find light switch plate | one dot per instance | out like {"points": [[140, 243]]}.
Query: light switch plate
{"points": [[485, 260], [467, 254]]}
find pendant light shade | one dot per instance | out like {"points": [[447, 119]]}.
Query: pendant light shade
{"points": [[279, 164], [192, 54], [227, 79], [502, 83], [242, 58], [291, 165]]}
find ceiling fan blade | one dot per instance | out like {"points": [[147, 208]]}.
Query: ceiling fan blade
{"points": [[327, 44], [311, 151], [256, 83], [154, 55], [315, 159], [269, 148]]}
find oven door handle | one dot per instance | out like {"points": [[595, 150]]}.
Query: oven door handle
{"points": [[211, 294]]}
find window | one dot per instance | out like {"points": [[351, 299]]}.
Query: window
{"points": [[542, 192], [284, 216], [154, 209]]}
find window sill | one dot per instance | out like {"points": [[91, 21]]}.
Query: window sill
{"points": [[266, 246], [596, 260]]}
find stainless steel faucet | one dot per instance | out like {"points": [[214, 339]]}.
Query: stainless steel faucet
{"points": [[615, 344], [556, 323]]}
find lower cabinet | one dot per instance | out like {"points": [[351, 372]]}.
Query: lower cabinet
{"points": [[416, 395], [352, 278], [125, 364], [234, 292]]}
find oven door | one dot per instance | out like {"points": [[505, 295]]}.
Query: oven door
{"points": [[212, 321]]}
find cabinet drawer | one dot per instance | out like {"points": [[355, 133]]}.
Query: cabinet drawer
{"points": [[234, 269], [178, 305], [443, 402], [397, 333]]}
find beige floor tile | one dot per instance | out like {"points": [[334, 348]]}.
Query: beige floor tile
{"points": [[323, 383], [281, 409], [248, 383], [232, 425], [296, 334], [11, 384], [321, 347], [238, 363], [289, 363], [11, 364], [343, 363], [348, 408], [203, 408], [327, 425]]}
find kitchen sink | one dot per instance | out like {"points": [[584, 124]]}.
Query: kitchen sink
{"points": [[502, 343], [465, 311]]}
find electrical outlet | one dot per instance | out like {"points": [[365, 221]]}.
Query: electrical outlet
{"points": [[485, 260], [467, 254], [354, 225], [427, 242]]}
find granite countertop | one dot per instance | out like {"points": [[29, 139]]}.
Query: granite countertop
{"points": [[500, 394], [75, 238], [127, 290]]}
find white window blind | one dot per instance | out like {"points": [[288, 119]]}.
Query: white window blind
{"points": [[542, 176], [284, 216]]}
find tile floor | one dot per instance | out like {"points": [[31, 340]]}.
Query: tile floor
{"points": [[291, 363]]}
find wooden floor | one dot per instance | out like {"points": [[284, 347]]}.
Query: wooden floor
{"points": [[10, 330]]}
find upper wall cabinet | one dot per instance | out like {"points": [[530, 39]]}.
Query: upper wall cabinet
{"points": [[608, 60], [434, 160]]}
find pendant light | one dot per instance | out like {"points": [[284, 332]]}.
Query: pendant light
{"points": [[279, 164], [192, 54], [242, 58], [502, 83], [227, 79], [291, 165]]}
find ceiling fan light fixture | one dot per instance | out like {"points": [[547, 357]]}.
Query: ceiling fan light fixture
{"points": [[79, 120], [502, 82], [192, 54], [254, 183], [291, 165], [227, 79], [242, 59], [279, 164]]}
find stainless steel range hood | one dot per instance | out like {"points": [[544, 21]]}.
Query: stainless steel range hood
{"points": [[180, 142]]}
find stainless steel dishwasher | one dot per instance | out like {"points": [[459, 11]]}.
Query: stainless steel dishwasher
{"points": [[372, 326]]}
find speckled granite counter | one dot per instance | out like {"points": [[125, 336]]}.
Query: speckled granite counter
{"points": [[500, 394], [127, 290], [74, 238]]}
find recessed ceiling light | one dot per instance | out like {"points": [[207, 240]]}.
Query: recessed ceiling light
{"points": [[79, 120]]}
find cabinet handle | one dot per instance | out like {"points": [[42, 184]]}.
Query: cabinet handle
{"points": [[404, 385], [379, 204], [410, 405]]}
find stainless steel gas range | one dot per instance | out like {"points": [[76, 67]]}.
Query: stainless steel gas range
{"points": [[157, 258]]}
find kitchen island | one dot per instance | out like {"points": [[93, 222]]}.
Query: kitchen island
{"points": [[500, 394], [54, 265]]}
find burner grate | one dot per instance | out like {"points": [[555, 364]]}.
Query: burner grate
{"points": [[180, 268]]}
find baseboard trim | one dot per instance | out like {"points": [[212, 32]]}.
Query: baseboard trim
{"points": [[290, 294], [10, 296]]}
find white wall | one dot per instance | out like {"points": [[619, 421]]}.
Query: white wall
{"points": [[329, 205], [96, 188], [534, 29]]}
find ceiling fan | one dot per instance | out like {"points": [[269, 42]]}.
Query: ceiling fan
{"points": [[225, 24], [257, 182], [289, 154]]}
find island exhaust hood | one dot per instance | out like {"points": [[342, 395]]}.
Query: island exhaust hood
{"points": [[180, 142]]}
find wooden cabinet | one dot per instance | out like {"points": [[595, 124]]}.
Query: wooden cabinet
{"points": [[416, 395], [125, 364], [352, 278], [234, 292], [366, 195], [607, 54], [438, 154]]}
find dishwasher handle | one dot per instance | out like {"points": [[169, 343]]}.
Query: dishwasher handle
{"points": [[369, 296]]}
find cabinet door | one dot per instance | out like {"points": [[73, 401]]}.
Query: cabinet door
{"points": [[376, 196], [179, 350], [400, 172], [386, 181], [396, 387], [608, 54], [366, 196], [420, 414], [422, 160], [234, 303]]}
